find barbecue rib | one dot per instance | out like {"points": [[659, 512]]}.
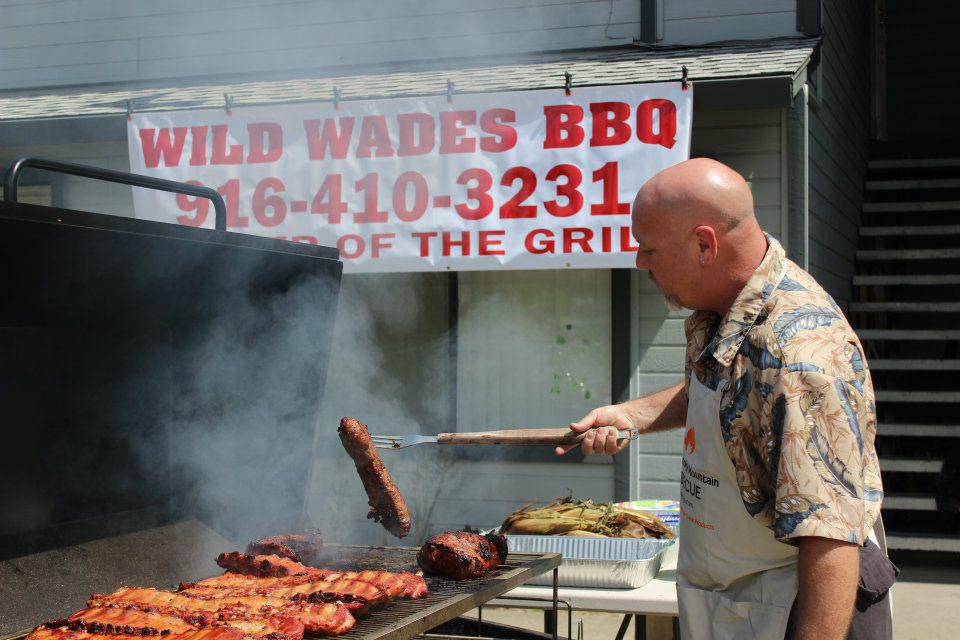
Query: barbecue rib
{"points": [[386, 504], [269, 566], [45, 632], [326, 619], [295, 546], [459, 555]]}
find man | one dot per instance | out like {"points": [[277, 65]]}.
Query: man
{"points": [[780, 483]]}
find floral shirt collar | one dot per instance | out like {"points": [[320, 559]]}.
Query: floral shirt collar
{"points": [[747, 308]]}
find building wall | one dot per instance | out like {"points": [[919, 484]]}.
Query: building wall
{"points": [[96, 41], [750, 141], [839, 144]]}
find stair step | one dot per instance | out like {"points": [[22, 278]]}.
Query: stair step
{"points": [[910, 465], [898, 207], [904, 307], [908, 254], [913, 163], [914, 542], [893, 279], [909, 334], [914, 365], [892, 395], [910, 501], [901, 185], [916, 230], [919, 430]]}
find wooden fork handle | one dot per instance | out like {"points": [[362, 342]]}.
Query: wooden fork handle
{"points": [[513, 436]]}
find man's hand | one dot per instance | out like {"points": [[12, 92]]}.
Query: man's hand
{"points": [[828, 572], [666, 409]]}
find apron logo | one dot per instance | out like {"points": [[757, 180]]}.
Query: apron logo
{"points": [[690, 441]]}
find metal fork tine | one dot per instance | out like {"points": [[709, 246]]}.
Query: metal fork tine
{"points": [[387, 442]]}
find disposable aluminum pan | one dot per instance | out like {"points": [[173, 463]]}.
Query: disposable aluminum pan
{"points": [[611, 563]]}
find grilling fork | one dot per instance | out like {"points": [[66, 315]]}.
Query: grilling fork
{"points": [[508, 436]]}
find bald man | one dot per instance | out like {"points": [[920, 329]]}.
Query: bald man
{"points": [[780, 483]]}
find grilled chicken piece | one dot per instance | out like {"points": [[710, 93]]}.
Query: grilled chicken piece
{"points": [[459, 555], [298, 547], [387, 506], [262, 566], [325, 619], [415, 587]]}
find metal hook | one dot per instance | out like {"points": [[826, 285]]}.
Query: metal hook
{"points": [[580, 629], [567, 82], [450, 90], [227, 103], [684, 84], [337, 94]]}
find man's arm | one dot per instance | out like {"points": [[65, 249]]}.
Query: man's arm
{"points": [[666, 409], [828, 572]]}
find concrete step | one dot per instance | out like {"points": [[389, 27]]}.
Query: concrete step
{"points": [[907, 184], [897, 279], [912, 230], [910, 502], [913, 163], [883, 364], [920, 542], [910, 465], [908, 207], [919, 430], [893, 395], [908, 254], [904, 307], [909, 334]]}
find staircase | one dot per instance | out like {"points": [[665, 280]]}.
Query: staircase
{"points": [[906, 310]]}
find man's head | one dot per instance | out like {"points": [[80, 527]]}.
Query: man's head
{"points": [[699, 238]]}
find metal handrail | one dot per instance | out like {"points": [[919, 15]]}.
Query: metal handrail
{"points": [[133, 179]]}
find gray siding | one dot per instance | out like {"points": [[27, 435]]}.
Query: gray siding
{"points": [[702, 21], [751, 143], [839, 145], [65, 43]]}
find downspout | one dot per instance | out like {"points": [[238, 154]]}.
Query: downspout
{"points": [[805, 177], [798, 161]]}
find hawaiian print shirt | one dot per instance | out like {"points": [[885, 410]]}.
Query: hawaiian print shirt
{"points": [[798, 414]]}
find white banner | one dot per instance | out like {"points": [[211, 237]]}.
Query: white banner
{"points": [[519, 180]]}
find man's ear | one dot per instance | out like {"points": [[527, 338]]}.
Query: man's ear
{"points": [[706, 245]]}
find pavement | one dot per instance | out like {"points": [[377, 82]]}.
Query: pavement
{"points": [[926, 606]]}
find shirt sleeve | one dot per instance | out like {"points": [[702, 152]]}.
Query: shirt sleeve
{"points": [[821, 457]]}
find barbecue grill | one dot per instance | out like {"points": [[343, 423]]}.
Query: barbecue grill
{"points": [[108, 328]]}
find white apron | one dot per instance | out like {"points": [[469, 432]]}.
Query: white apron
{"points": [[734, 579]]}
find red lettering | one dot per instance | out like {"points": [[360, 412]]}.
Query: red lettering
{"points": [[563, 126], [534, 245], [666, 134], [490, 242], [424, 237], [417, 134], [577, 236], [359, 246], [198, 148], [505, 136], [626, 241], [154, 148], [447, 242], [266, 142], [452, 135], [609, 123], [220, 154], [606, 239], [320, 140], [374, 133], [379, 242]]}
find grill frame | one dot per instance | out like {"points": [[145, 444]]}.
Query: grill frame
{"points": [[407, 619]]}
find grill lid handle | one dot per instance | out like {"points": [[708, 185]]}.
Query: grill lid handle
{"points": [[133, 179]]}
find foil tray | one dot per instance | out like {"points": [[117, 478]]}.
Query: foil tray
{"points": [[610, 563]]}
